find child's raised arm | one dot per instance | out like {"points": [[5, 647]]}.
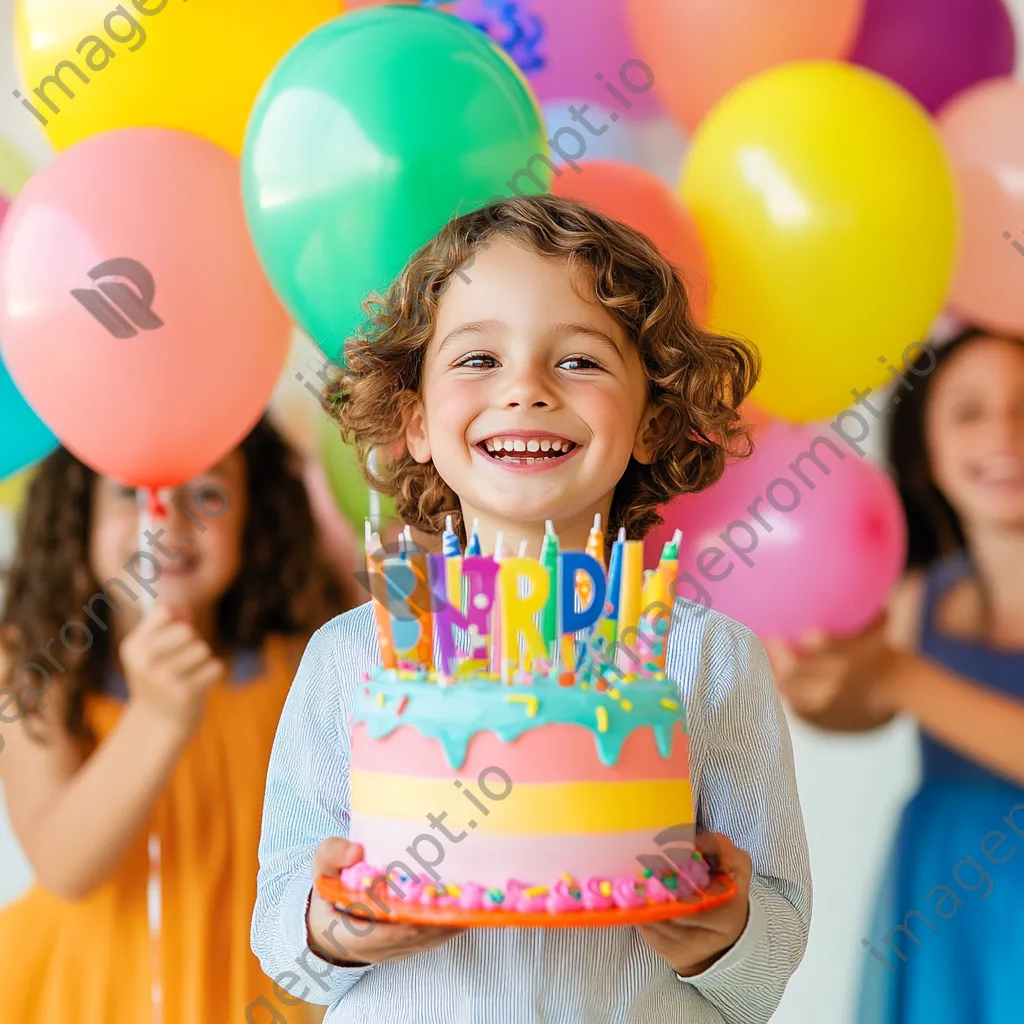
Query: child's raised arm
{"points": [[77, 816]]}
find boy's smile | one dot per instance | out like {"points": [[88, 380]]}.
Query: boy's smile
{"points": [[528, 451], [528, 375]]}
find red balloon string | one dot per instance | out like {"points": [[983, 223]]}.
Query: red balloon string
{"points": [[156, 508]]}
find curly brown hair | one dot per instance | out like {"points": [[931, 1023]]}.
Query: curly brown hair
{"points": [[699, 378], [283, 587]]}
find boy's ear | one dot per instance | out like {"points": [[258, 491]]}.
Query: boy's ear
{"points": [[653, 427], [416, 440]]}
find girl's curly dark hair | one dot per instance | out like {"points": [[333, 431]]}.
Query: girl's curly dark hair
{"points": [[698, 377], [283, 588], [933, 527]]}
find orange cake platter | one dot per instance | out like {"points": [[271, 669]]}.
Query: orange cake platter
{"points": [[359, 904]]}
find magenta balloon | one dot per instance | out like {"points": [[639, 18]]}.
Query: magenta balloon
{"points": [[562, 48], [936, 48], [830, 562]]}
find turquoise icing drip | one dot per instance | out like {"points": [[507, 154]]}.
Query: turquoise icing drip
{"points": [[453, 714]]}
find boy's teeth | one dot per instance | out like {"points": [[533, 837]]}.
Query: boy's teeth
{"points": [[497, 445]]}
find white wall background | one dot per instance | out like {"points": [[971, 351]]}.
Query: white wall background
{"points": [[852, 789]]}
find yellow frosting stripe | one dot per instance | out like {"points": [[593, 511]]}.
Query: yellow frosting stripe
{"points": [[539, 808]]}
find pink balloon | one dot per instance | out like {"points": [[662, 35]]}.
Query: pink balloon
{"points": [[988, 157], [135, 316], [829, 562]]}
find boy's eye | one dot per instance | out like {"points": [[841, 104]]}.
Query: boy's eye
{"points": [[579, 363], [477, 360], [124, 491]]}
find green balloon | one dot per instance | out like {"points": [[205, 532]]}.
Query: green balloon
{"points": [[351, 495], [371, 133]]}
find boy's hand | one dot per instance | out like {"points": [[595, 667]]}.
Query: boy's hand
{"points": [[692, 944], [331, 939]]}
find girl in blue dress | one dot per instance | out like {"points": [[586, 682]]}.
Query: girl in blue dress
{"points": [[947, 943]]}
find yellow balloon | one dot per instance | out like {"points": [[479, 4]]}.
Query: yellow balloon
{"points": [[88, 66], [828, 209]]}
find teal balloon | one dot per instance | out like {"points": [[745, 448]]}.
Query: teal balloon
{"points": [[370, 134], [24, 438]]}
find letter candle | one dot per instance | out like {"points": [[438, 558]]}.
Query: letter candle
{"points": [[481, 576], [630, 597], [379, 595], [585, 589], [517, 613], [575, 564]]}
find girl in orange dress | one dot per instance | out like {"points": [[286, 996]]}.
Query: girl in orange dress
{"points": [[136, 722]]}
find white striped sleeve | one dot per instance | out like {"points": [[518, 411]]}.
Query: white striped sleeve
{"points": [[745, 788], [307, 799]]}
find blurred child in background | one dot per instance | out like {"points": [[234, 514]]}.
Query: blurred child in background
{"points": [[135, 780], [947, 944]]}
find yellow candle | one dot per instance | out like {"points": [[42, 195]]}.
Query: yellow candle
{"points": [[653, 639], [631, 595]]}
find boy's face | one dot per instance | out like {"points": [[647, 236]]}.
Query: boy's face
{"points": [[522, 358]]}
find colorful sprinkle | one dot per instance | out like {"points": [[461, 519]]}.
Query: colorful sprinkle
{"points": [[601, 686], [380, 700], [627, 705], [495, 895], [402, 705], [455, 890], [605, 888], [602, 720], [670, 704], [537, 890], [567, 878], [647, 872], [530, 702], [613, 693]]}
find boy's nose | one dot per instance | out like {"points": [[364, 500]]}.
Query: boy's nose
{"points": [[529, 389]]}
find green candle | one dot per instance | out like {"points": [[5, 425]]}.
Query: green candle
{"points": [[549, 616]]}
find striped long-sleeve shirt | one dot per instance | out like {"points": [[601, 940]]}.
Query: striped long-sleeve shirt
{"points": [[743, 786]]}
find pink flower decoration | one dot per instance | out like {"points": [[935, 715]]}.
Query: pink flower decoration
{"points": [[593, 898], [561, 900], [625, 895], [656, 892], [472, 897]]}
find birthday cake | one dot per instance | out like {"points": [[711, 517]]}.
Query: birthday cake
{"points": [[535, 763]]}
